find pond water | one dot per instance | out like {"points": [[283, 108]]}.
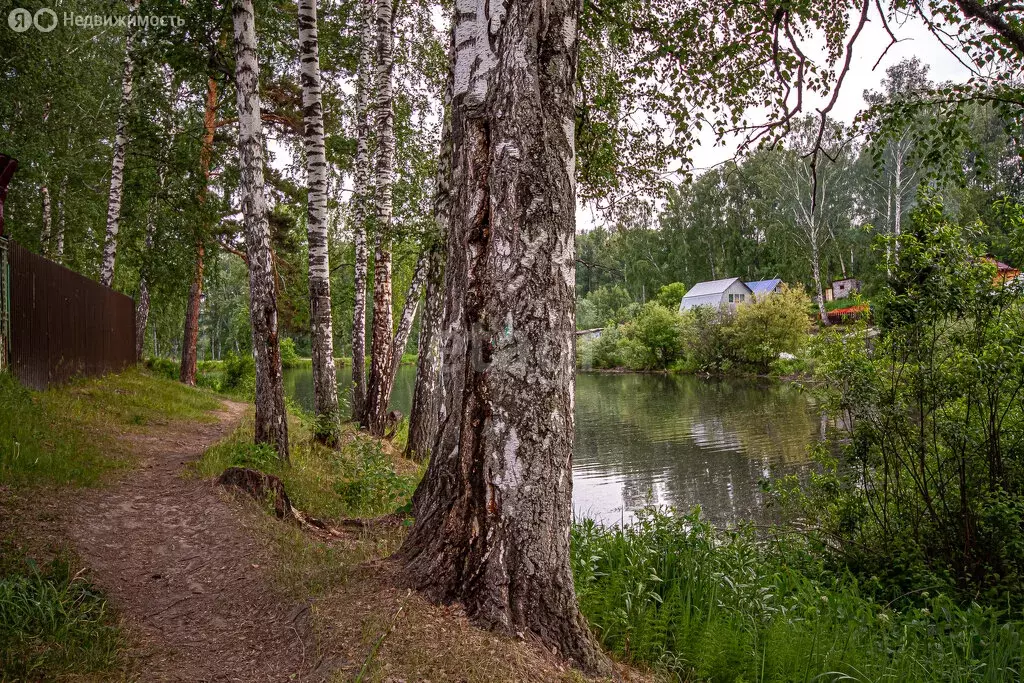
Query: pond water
{"points": [[668, 440]]}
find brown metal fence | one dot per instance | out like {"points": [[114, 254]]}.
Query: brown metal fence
{"points": [[64, 325]]}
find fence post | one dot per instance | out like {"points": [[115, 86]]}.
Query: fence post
{"points": [[5, 307]]}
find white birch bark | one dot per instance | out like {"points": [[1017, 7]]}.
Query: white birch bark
{"points": [[325, 380], [412, 302], [117, 165], [382, 350], [58, 249], [271, 424], [426, 395], [492, 514], [44, 237], [361, 205]]}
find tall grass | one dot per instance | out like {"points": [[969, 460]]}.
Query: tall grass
{"points": [[671, 592], [65, 436], [53, 624]]}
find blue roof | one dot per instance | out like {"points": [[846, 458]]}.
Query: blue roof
{"points": [[764, 286]]}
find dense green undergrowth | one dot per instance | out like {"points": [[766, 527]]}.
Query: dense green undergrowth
{"points": [[671, 592], [361, 478], [53, 623]]}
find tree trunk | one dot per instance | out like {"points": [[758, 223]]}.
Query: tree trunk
{"points": [[271, 420], [143, 303], [58, 250], [360, 204], [325, 378], [382, 342], [426, 392], [190, 337], [44, 237], [494, 509], [412, 302], [117, 165], [425, 397], [816, 272]]}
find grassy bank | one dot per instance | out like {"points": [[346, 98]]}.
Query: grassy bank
{"points": [[672, 593], [365, 477], [54, 623]]}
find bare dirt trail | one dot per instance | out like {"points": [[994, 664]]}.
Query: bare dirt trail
{"points": [[176, 561]]}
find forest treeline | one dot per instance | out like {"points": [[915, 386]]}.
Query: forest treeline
{"points": [[753, 217]]}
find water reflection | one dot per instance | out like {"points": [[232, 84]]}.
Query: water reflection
{"points": [[683, 441], [669, 440]]}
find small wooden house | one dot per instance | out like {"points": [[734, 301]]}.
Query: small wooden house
{"points": [[1004, 272], [842, 289], [727, 293]]}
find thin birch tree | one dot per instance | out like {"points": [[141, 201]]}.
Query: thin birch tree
{"points": [[382, 349], [361, 202], [117, 165], [271, 424], [325, 381]]}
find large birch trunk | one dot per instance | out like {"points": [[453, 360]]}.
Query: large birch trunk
{"points": [[325, 379], [382, 349], [494, 509], [190, 337], [360, 204], [271, 421], [117, 165], [426, 392]]}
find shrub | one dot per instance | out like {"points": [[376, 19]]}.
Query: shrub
{"points": [[927, 481], [670, 295], [239, 372], [770, 325], [289, 357], [164, 367], [654, 340], [374, 487], [706, 338]]}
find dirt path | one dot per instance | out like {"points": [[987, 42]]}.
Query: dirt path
{"points": [[177, 563]]}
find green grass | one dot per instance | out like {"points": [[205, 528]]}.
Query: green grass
{"points": [[362, 478], [673, 593], [54, 624], [64, 436]]}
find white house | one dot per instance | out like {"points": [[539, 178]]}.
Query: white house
{"points": [[726, 293]]}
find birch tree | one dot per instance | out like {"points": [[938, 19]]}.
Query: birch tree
{"points": [[271, 420], [815, 197], [325, 382], [493, 511], [117, 165], [426, 391], [382, 342], [361, 203]]}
